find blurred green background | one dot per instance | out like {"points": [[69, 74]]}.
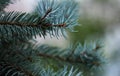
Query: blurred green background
{"points": [[89, 29]]}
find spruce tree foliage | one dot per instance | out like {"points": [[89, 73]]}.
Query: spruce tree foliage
{"points": [[20, 57], [3, 4]]}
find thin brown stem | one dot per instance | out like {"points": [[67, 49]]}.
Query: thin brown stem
{"points": [[61, 58], [46, 14], [32, 25], [17, 24]]}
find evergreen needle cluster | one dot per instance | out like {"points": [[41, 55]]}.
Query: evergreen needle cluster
{"points": [[20, 57]]}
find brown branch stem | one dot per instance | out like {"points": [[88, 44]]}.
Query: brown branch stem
{"points": [[46, 14], [60, 58], [32, 25]]}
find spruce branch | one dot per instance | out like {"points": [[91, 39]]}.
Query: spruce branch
{"points": [[23, 19], [8, 69], [81, 55], [22, 25], [51, 16], [26, 53]]}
